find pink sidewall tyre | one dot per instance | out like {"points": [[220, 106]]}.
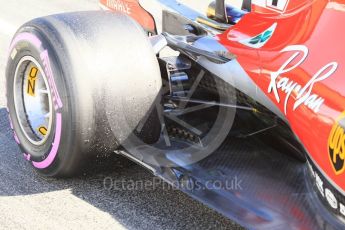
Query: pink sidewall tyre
{"points": [[59, 68]]}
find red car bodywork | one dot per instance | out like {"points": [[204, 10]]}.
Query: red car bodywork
{"points": [[134, 10], [300, 67], [315, 62]]}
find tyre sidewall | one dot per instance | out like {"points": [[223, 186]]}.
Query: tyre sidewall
{"points": [[33, 152]]}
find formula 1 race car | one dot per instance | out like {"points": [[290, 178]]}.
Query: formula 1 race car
{"points": [[241, 108]]}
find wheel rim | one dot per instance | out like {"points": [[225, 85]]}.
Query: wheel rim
{"points": [[32, 101]]}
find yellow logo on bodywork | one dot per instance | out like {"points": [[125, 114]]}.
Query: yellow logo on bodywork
{"points": [[336, 145]]}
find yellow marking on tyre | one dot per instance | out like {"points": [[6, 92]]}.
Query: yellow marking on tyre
{"points": [[43, 130], [32, 81]]}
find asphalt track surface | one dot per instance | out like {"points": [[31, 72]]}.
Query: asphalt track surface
{"points": [[30, 201]]}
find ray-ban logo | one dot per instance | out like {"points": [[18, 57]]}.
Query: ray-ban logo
{"points": [[303, 94]]}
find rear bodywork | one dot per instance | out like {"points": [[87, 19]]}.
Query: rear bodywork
{"points": [[134, 10], [290, 59]]}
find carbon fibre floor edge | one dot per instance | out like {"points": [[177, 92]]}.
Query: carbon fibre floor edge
{"points": [[256, 186]]}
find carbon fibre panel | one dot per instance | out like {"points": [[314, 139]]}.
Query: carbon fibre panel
{"points": [[256, 186]]}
